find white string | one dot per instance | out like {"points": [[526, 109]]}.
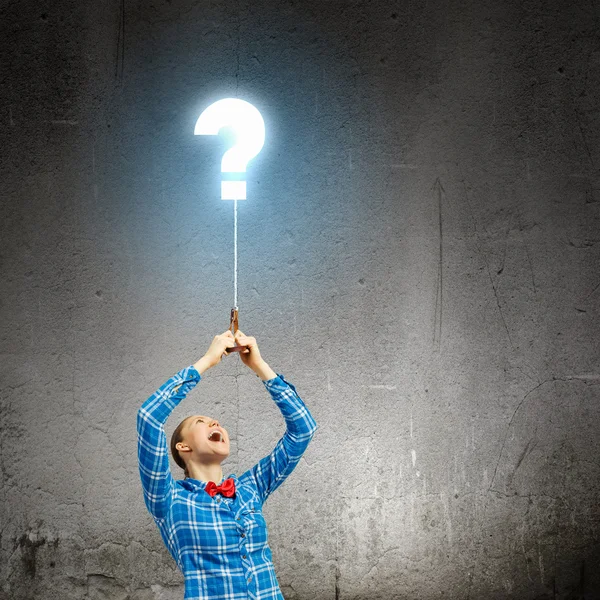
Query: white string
{"points": [[235, 306]]}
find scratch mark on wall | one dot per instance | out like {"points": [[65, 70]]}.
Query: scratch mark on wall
{"points": [[595, 288], [121, 42], [508, 429], [470, 585], [487, 266], [530, 269], [448, 518], [541, 565], [585, 377], [526, 451], [439, 299], [499, 272], [382, 387], [454, 474], [525, 560], [581, 131]]}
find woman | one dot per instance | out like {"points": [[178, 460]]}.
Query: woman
{"points": [[214, 528]]}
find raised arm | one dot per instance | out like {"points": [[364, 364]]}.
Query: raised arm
{"points": [[272, 470], [153, 451]]}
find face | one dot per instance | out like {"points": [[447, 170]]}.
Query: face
{"points": [[196, 433]]}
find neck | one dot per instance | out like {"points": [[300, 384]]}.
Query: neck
{"points": [[206, 473]]}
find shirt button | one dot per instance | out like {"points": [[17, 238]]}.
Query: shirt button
{"points": [[238, 518], [249, 578], [243, 556], [243, 534]]}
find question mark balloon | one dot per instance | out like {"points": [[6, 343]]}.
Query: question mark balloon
{"points": [[249, 127]]}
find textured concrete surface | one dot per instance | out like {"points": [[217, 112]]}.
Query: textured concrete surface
{"points": [[419, 255]]}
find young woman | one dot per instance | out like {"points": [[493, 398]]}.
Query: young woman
{"points": [[214, 528]]}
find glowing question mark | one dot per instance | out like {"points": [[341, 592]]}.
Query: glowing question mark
{"points": [[249, 127]]}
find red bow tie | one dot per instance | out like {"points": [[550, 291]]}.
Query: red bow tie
{"points": [[227, 488]]}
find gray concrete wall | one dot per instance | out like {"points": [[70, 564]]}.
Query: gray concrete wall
{"points": [[419, 255]]}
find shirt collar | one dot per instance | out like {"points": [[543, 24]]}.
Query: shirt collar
{"points": [[193, 485]]}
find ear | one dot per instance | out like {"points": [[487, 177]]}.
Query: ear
{"points": [[182, 447]]}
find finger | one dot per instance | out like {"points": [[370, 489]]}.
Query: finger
{"points": [[228, 333]]}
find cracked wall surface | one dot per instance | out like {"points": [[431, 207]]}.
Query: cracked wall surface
{"points": [[418, 255]]}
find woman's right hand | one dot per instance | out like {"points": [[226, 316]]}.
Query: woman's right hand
{"points": [[217, 348]]}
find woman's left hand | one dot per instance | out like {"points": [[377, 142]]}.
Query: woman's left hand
{"points": [[251, 356]]}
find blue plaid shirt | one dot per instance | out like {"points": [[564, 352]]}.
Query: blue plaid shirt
{"points": [[219, 543]]}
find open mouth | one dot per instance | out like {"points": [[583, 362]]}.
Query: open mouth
{"points": [[216, 436]]}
